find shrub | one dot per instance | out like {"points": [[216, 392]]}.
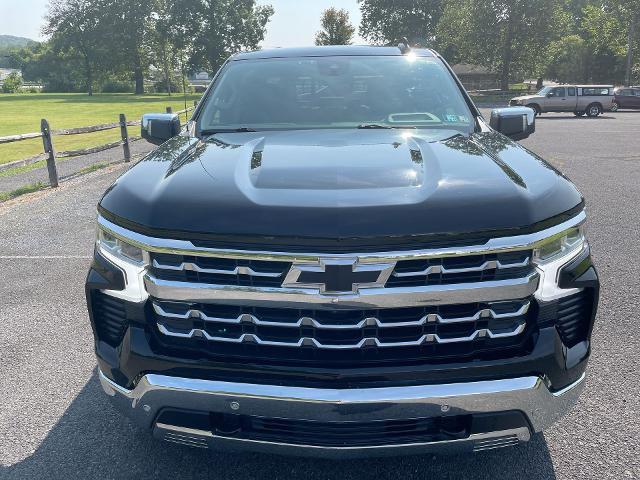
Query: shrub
{"points": [[117, 86], [161, 86], [12, 83], [61, 85]]}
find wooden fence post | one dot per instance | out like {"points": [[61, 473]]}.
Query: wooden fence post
{"points": [[125, 138], [169, 110], [47, 143]]}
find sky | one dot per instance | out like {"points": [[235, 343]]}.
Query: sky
{"points": [[295, 22]]}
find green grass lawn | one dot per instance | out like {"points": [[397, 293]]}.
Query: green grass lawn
{"points": [[21, 113]]}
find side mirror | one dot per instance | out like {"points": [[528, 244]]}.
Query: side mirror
{"points": [[157, 128], [516, 123], [551, 94]]}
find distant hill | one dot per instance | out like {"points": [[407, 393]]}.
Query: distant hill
{"points": [[9, 41]]}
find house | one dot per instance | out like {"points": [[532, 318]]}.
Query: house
{"points": [[199, 81], [476, 77]]}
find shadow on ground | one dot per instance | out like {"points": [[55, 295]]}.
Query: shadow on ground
{"points": [[92, 440]]}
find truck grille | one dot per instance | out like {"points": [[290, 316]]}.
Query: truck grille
{"points": [[219, 271], [340, 434], [343, 310], [257, 273], [454, 270], [336, 336]]}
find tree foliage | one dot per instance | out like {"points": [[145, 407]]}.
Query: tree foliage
{"points": [[508, 36], [214, 29], [567, 40], [120, 40], [389, 21], [336, 28], [77, 30], [568, 60], [12, 83], [132, 46]]}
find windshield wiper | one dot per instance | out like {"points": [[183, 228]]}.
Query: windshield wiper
{"points": [[227, 130], [371, 126]]}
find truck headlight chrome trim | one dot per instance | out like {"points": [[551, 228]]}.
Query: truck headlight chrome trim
{"points": [[553, 253], [129, 258], [565, 244]]}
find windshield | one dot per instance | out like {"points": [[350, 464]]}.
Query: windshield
{"points": [[335, 92], [544, 91]]}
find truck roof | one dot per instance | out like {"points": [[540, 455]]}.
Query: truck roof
{"points": [[328, 51]]}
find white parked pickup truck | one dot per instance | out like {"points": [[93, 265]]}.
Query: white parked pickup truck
{"points": [[591, 100]]}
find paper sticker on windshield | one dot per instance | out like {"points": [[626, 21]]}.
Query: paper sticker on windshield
{"points": [[456, 119]]}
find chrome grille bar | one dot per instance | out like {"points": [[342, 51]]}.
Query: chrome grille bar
{"points": [[487, 313], [196, 268], [440, 269], [374, 298], [365, 342]]}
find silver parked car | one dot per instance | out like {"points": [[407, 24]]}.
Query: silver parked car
{"points": [[579, 99]]}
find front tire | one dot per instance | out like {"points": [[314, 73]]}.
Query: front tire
{"points": [[615, 107], [594, 110], [536, 108]]}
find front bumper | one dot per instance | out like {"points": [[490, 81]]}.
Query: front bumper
{"points": [[155, 393]]}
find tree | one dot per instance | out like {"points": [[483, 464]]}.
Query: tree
{"points": [[129, 26], [508, 36], [627, 12], [57, 71], [163, 40], [12, 83], [605, 38], [389, 21], [336, 28], [568, 59], [75, 27], [212, 30]]}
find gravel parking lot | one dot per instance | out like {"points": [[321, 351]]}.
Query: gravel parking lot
{"points": [[55, 422]]}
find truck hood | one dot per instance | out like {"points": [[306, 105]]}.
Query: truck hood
{"points": [[528, 98], [338, 184]]}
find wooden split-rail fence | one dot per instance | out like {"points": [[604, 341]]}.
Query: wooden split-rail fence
{"points": [[49, 151]]}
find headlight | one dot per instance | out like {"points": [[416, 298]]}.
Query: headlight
{"points": [[553, 253], [120, 248], [130, 259], [565, 244]]}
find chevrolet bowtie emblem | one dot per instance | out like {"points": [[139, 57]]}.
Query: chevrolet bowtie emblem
{"points": [[338, 276]]}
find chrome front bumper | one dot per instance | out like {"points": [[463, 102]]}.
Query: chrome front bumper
{"points": [[529, 395]]}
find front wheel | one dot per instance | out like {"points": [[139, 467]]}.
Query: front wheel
{"points": [[536, 108], [615, 107], [594, 110]]}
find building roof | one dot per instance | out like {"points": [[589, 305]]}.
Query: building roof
{"points": [[328, 51]]}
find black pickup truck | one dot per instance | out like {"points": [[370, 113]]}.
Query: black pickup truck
{"points": [[338, 255]]}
